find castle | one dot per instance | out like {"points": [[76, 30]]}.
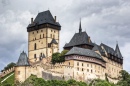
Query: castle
{"points": [[84, 61]]}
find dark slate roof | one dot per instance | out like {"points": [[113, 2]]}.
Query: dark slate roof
{"points": [[108, 49], [98, 48], [53, 41], [117, 52], [83, 52], [23, 60], [44, 18], [78, 39]]}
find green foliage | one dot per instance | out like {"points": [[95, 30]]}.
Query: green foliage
{"points": [[55, 58], [124, 79], [9, 81], [98, 82], [106, 77], [34, 81], [58, 57], [10, 65]]}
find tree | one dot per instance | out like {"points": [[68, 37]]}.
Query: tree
{"points": [[10, 65], [55, 58], [58, 57], [99, 82], [62, 55], [33, 80], [124, 78]]}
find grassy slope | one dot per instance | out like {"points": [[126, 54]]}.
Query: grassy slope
{"points": [[10, 80]]}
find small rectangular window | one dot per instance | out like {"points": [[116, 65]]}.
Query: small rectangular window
{"points": [[69, 63], [77, 63], [34, 55], [87, 65], [18, 72], [49, 45], [87, 70], [82, 64], [82, 69]]}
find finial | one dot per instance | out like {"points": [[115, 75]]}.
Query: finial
{"points": [[80, 28]]}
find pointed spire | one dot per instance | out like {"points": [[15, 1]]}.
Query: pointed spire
{"points": [[80, 28], [117, 51]]}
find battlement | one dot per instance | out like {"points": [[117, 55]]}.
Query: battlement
{"points": [[4, 73]]}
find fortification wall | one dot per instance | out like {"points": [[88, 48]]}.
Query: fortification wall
{"points": [[4, 73]]}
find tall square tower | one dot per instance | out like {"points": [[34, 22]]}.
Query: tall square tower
{"points": [[43, 36]]}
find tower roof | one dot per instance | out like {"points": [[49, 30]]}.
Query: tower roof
{"points": [[117, 52], [79, 39], [54, 41], [23, 60], [44, 18]]}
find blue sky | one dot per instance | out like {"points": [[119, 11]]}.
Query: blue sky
{"points": [[105, 21]]}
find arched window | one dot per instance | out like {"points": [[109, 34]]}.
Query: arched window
{"points": [[35, 46]]}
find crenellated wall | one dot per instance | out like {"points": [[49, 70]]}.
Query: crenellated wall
{"points": [[4, 73]]}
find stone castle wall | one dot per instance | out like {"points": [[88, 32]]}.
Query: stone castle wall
{"points": [[4, 73]]}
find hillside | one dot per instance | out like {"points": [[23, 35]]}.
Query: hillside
{"points": [[7, 80]]}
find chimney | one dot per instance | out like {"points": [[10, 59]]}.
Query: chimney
{"points": [[31, 20], [55, 18]]}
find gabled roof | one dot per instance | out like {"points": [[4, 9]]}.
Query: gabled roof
{"points": [[83, 52], [23, 60], [44, 18], [108, 49], [117, 52], [53, 41], [78, 39]]}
